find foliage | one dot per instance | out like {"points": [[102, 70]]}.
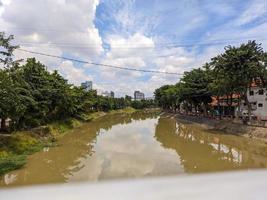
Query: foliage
{"points": [[11, 162], [32, 96], [238, 67], [61, 126], [232, 72], [7, 50], [14, 148]]}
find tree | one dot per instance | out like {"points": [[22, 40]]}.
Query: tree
{"points": [[239, 67], [228, 74], [164, 96], [6, 52], [7, 97], [128, 100], [6, 90], [196, 90]]}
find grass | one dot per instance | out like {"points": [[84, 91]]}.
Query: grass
{"points": [[59, 127], [121, 111], [87, 117], [15, 148], [10, 162]]}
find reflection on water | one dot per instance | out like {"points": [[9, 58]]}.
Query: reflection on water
{"points": [[136, 145], [201, 151]]}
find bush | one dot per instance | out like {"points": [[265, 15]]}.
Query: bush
{"points": [[23, 143], [10, 162]]}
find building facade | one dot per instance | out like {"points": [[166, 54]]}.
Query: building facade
{"points": [[257, 97], [150, 98], [112, 94], [87, 85], [139, 95], [221, 105], [108, 94]]}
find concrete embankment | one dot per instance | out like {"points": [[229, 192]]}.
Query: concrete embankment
{"points": [[225, 126]]}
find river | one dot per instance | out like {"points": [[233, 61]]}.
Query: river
{"points": [[137, 145]]}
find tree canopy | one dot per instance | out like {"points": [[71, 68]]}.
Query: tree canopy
{"points": [[30, 95], [232, 72]]}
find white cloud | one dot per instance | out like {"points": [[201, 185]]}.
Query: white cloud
{"points": [[46, 49], [127, 19], [130, 52], [67, 25], [174, 64], [60, 27], [135, 45], [176, 60], [255, 10], [73, 74]]}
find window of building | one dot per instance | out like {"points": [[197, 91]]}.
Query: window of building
{"points": [[255, 103], [260, 105], [261, 92], [251, 93], [245, 104]]}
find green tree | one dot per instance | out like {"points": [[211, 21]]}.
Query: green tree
{"points": [[7, 50], [239, 67], [195, 89], [7, 90]]}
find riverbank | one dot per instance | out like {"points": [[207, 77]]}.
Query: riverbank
{"points": [[225, 126], [119, 146], [15, 147]]}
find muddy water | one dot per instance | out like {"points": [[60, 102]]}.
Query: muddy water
{"points": [[137, 145]]}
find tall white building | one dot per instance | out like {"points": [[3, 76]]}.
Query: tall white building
{"points": [[87, 85], [108, 94], [139, 95], [258, 99]]}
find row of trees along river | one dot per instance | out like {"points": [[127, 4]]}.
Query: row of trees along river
{"points": [[229, 74], [32, 96]]}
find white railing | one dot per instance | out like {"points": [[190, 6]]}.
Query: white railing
{"points": [[241, 185]]}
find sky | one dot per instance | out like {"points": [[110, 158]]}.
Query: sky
{"points": [[164, 35]]}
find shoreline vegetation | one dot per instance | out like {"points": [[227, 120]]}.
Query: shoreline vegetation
{"points": [[16, 146]]}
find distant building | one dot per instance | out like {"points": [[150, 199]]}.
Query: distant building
{"points": [[108, 94], [87, 85], [150, 98], [105, 94], [112, 94], [139, 95]]}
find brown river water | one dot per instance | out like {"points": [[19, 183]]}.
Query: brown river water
{"points": [[137, 145]]}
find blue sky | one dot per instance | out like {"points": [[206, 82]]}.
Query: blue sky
{"points": [[143, 34]]}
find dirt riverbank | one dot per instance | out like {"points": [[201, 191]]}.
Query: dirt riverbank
{"points": [[225, 126]]}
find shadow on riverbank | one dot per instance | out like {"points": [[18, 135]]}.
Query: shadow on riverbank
{"points": [[224, 126]]}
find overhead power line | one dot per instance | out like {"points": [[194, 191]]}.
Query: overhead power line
{"points": [[142, 46], [99, 64]]}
